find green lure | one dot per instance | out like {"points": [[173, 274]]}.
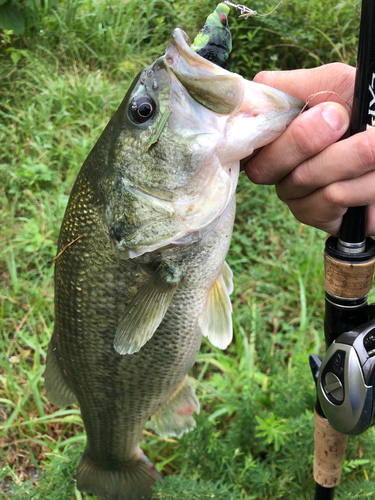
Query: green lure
{"points": [[214, 41]]}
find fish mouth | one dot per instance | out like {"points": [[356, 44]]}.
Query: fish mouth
{"points": [[209, 84], [220, 90]]}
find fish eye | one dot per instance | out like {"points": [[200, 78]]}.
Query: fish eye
{"points": [[142, 108], [224, 20]]}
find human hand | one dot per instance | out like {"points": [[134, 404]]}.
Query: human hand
{"points": [[317, 177]]}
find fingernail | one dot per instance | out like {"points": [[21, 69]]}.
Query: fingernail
{"points": [[334, 117]]}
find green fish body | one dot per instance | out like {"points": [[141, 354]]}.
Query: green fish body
{"points": [[214, 41], [141, 272]]}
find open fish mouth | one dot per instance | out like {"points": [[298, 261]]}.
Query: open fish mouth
{"points": [[216, 88], [212, 86]]}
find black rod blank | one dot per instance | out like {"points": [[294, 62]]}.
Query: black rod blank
{"points": [[363, 114]]}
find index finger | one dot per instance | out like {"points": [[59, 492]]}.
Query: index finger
{"points": [[302, 83]]}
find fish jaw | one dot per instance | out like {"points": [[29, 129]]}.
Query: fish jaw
{"points": [[264, 114]]}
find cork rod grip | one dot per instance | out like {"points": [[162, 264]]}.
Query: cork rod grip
{"points": [[347, 280], [329, 450]]}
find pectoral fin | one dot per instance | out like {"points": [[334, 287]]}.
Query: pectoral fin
{"points": [[216, 318], [146, 310], [175, 417]]}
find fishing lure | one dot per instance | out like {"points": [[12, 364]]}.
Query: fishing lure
{"points": [[214, 41]]}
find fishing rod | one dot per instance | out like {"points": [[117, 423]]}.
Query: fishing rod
{"points": [[345, 379]]}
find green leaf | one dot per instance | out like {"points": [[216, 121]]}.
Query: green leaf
{"points": [[159, 128], [11, 17], [273, 431], [15, 56]]}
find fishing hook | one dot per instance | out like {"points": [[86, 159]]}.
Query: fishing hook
{"points": [[246, 12]]}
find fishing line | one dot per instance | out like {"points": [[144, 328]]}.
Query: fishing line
{"points": [[246, 12], [311, 97]]}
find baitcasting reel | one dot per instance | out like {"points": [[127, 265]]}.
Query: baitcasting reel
{"points": [[346, 381]]}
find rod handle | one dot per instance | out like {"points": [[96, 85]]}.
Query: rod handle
{"points": [[329, 451]]}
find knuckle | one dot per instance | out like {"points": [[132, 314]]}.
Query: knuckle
{"points": [[335, 194], [341, 77]]}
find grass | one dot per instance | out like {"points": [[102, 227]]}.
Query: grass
{"points": [[254, 435]]}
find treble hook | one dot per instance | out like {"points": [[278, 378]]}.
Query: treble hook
{"points": [[246, 12]]}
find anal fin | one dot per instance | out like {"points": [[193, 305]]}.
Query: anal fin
{"points": [[58, 391], [176, 416], [216, 318], [146, 310]]}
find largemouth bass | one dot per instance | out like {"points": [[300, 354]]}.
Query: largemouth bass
{"points": [[141, 271]]}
